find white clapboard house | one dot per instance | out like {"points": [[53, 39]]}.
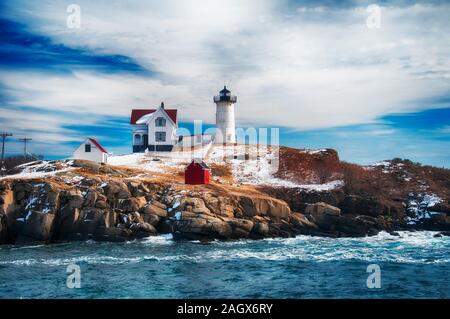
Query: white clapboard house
{"points": [[91, 150], [154, 129]]}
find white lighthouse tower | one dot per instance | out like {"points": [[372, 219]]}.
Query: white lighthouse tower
{"points": [[225, 117]]}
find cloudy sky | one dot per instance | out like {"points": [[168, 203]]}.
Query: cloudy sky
{"points": [[315, 69]]}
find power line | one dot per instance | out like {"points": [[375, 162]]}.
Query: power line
{"points": [[4, 136], [25, 141]]}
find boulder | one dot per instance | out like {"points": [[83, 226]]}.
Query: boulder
{"points": [[442, 207], [141, 230], [91, 219], [319, 209], [201, 210], [221, 230], [302, 224], [4, 230], [159, 204], [90, 198], [370, 206], [244, 224], [135, 217], [76, 201], [101, 204], [151, 219], [116, 232], [261, 229], [442, 233], [37, 226], [253, 206], [132, 204], [7, 202], [66, 222], [155, 210], [116, 190], [241, 228]]}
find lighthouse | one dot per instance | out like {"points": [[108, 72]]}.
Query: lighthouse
{"points": [[225, 117]]}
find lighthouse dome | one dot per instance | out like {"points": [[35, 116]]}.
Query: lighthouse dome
{"points": [[225, 95]]}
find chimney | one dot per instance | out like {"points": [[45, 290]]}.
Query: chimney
{"points": [[162, 105]]}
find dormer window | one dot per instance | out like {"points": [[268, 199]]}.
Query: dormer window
{"points": [[160, 121]]}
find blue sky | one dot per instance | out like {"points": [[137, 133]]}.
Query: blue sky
{"points": [[313, 69]]}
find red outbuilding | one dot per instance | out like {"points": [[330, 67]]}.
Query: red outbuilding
{"points": [[197, 173]]}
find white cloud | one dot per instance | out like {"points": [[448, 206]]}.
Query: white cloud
{"points": [[306, 68]]}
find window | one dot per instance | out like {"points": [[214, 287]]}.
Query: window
{"points": [[160, 136], [87, 148], [160, 121], [137, 139]]}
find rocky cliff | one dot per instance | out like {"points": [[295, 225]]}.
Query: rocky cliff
{"points": [[116, 209], [78, 200]]}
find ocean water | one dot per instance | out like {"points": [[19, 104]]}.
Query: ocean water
{"points": [[414, 265]]}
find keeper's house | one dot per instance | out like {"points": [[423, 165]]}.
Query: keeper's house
{"points": [[154, 129]]}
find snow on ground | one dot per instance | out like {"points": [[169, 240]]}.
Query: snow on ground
{"points": [[255, 165], [419, 207], [159, 162], [387, 166], [39, 169], [312, 152], [250, 164]]}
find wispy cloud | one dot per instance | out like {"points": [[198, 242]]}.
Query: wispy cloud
{"points": [[298, 64]]}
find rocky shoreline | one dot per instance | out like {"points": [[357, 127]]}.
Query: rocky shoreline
{"points": [[49, 210]]}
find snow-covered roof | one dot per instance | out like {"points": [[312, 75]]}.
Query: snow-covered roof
{"points": [[137, 115]]}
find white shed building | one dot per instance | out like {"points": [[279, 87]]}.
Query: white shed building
{"points": [[91, 150]]}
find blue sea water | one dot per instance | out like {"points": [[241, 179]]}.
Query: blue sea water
{"points": [[414, 265]]}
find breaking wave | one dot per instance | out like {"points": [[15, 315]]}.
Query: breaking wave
{"points": [[408, 247]]}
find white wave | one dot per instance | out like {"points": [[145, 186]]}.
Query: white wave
{"points": [[166, 239], [409, 247]]}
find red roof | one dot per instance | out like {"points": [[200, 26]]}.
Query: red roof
{"points": [[136, 114], [98, 145]]}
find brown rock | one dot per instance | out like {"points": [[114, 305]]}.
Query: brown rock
{"points": [[141, 230], [101, 204], [135, 217], [322, 209], [252, 206], [151, 219], [244, 224], [132, 204], [38, 226], [221, 229], [66, 222], [159, 204], [116, 189], [201, 210], [261, 229], [155, 210], [4, 231], [90, 198], [7, 202]]}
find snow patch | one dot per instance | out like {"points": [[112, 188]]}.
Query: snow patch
{"points": [[418, 207]]}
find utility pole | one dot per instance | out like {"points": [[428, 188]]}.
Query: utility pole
{"points": [[25, 141], [4, 136]]}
